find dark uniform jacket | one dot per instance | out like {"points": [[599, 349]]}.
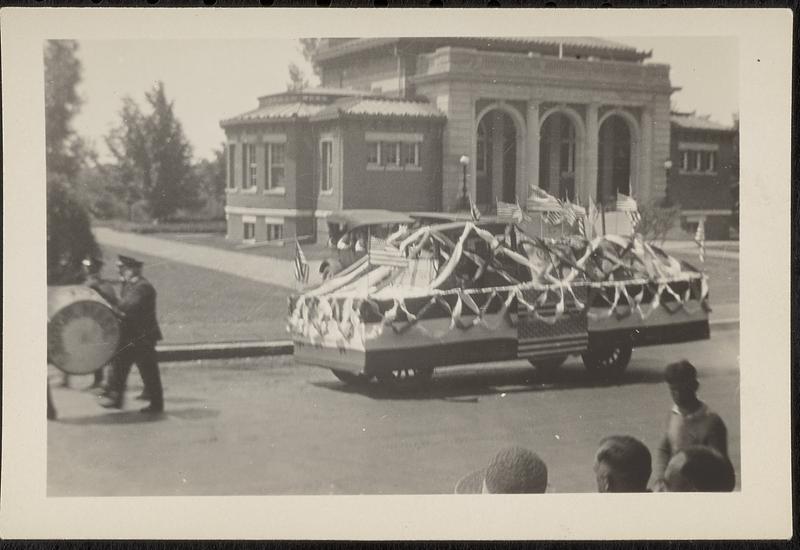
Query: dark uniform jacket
{"points": [[138, 307], [105, 290]]}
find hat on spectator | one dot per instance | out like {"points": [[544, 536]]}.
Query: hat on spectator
{"points": [[127, 261], [680, 373], [512, 470]]}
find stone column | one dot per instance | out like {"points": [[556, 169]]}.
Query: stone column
{"points": [[532, 171], [589, 187], [643, 190]]}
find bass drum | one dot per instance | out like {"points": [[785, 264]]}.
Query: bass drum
{"points": [[82, 330]]}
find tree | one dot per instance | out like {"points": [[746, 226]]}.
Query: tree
{"points": [[69, 234], [210, 176], [297, 80], [153, 156], [308, 47], [66, 152]]}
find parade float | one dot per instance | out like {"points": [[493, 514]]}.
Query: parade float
{"points": [[477, 291]]}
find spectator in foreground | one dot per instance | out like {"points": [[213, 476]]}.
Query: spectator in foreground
{"points": [[699, 468], [622, 465], [690, 422], [512, 470]]}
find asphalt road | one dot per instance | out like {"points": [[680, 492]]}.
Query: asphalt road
{"points": [[266, 426]]}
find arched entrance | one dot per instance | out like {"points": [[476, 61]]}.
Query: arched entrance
{"points": [[559, 155], [496, 158], [616, 157]]}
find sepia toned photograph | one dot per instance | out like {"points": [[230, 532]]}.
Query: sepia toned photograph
{"points": [[395, 265]]}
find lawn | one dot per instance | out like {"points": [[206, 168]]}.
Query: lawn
{"points": [[315, 251], [201, 305]]}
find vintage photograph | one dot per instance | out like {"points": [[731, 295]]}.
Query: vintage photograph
{"points": [[430, 264], [396, 274]]}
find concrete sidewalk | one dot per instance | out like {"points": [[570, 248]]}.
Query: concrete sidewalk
{"points": [[722, 250], [262, 269]]}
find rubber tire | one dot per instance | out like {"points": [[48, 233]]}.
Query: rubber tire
{"points": [[548, 366], [399, 378], [351, 379], [608, 361]]}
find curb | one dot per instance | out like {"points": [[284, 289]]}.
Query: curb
{"points": [[168, 353], [225, 350]]}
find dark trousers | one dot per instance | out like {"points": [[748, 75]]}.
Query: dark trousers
{"points": [[144, 355]]}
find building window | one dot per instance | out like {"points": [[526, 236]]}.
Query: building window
{"points": [[274, 232], [249, 231], [276, 161], [685, 161], [373, 153], [231, 166], [326, 169], [410, 154], [390, 154], [253, 166], [698, 161]]}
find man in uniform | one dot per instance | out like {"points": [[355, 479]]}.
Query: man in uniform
{"points": [[92, 267], [690, 422], [139, 333]]}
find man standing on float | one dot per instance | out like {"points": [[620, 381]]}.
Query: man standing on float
{"points": [[139, 333]]}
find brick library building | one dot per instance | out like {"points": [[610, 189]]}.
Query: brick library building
{"points": [[408, 124]]}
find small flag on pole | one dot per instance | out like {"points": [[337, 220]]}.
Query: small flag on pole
{"points": [[509, 211], [700, 239], [301, 267], [568, 214], [473, 209], [382, 253], [626, 203]]}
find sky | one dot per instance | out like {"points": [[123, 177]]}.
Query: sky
{"points": [[210, 80]]}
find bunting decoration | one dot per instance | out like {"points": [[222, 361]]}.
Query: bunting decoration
{"points": [[608, 277], [473, 209], [381, 253]]}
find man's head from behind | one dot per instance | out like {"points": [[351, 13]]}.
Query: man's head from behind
{"points": [[622, 465], [699, 468], [681, 377], [515, 470]]}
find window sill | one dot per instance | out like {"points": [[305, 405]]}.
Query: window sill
{"points": [[374, 168], [690, 173], [327, 193], [231, 189], [277, 191], [412, 168], [249, 241], [393, 168], [250, 190]]}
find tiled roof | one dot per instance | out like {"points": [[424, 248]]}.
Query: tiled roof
{"points": [[694, 122], [370, 106], [276, 111], [572, 42], [320, 91]]}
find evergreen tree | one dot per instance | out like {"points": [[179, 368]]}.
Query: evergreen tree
{"points": [[297, 80], [210, 175], [308, 47], [153, 156]]}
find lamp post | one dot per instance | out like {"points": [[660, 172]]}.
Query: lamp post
{"points": [[463, 203], [667, 169]]}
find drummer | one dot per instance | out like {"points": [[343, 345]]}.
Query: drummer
{"points": [[139, 334], [92, 268]]}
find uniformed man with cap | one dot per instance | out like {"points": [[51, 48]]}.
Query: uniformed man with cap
{"points": [[139, 332], [92, 268]]}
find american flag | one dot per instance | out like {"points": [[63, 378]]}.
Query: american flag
{"points": [[382, 253], [568, 214], [543, 200], [301, 267], [509, 210], [700, 239], [554, 217], [473, 209], [635, 218]]}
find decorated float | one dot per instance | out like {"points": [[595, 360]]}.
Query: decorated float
{"points": [[478, 291]]}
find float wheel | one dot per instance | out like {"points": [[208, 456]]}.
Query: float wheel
{"points": [[611, 360], [405, 377], [351, 378]]}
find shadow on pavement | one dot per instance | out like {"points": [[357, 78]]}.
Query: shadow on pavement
{"points": [[467, 387], [136, 417]]}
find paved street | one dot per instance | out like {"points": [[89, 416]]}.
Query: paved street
{"points": [[266, 426]]}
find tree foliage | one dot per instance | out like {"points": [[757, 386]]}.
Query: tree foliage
{"points": [[308, 47], [66, 152], [69, 234], [658, 219], [297, 80], [153, 156], [210, 175]]}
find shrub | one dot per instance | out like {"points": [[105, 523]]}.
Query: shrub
{"points": [[658, 219], [69, 235]]}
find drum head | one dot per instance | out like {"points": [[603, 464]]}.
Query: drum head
{"points": [[82, 337]]}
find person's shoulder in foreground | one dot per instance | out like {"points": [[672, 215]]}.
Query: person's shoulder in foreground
{"points": [[700, 468]]}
